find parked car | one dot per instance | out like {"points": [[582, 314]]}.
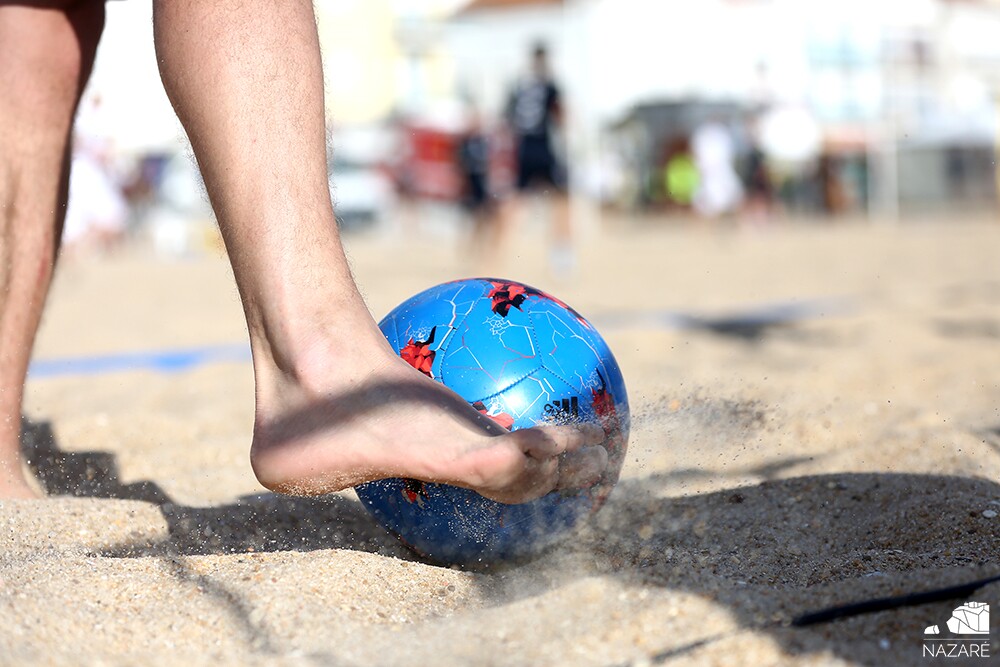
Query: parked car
{"points": [[362, 194]]}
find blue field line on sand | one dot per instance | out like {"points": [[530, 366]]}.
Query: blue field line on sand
{"points": [[164, 361], [172, 361]]}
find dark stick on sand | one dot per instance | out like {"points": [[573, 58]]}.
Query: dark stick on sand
{"points": [[883, 604]]}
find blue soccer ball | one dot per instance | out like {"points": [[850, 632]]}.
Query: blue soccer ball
{"points": [[523, 358]]}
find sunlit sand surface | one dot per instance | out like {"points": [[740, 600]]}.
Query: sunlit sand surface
{"points": [[815, 421]]}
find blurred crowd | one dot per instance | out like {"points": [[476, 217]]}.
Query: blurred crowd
{"points": [[668, 111], [725, 167], [680, 160]]}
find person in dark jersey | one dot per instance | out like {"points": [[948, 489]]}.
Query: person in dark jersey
{"points": [[335, 406], [473, 156], [534, 114]]}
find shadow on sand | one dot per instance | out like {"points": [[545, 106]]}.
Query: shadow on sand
{"points": [[748, 325], [766, 552], [258, 523], [779, 549]]}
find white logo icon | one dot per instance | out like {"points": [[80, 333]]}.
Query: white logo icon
{"points": [[965, 635], [971, 618]]}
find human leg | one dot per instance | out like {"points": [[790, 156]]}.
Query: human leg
{"points": [[540, 174], [562, 254], [334, 405], [46, 54]]}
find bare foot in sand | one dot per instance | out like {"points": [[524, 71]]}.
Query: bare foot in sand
{"points": [[381, 419]]}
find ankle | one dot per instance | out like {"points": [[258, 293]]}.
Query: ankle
{"points": [[314, 360]]}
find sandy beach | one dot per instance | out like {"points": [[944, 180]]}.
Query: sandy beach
{"points": [[816, 421]]}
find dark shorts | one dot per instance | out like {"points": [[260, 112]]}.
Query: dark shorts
{"points": [[537, 166], [476, 195]]}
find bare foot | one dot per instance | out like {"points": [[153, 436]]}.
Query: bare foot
{"points": [[385, 419]]}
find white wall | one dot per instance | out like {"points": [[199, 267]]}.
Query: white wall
{"points": [[491, 50], [134, 109]]}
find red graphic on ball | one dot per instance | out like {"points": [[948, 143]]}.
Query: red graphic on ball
{"points": [[414, 491], [504, 419], [419, 354], [603, 404], [604, 407], [507, 294]]}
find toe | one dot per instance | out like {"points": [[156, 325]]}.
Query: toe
{"points": [[547, 441]]}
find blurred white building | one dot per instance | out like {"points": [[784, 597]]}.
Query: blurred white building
{"points": [[875, 72], [871, 72], [846, 59], [365, 69]]}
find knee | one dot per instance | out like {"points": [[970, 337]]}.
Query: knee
{"points": [[85, 22], [47, 56], [64, 6], [56, 35]]}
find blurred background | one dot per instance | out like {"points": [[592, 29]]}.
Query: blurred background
{"points": [[671, 112]]}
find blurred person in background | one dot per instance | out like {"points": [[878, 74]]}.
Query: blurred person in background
{"points": [[335, 406], [534, 113], [97, 212], [681, 177], [758, 184], [834, 197], [473, 156], [719, 191]]}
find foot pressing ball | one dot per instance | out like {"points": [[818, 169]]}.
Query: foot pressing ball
{"points": [[523, 358]]}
